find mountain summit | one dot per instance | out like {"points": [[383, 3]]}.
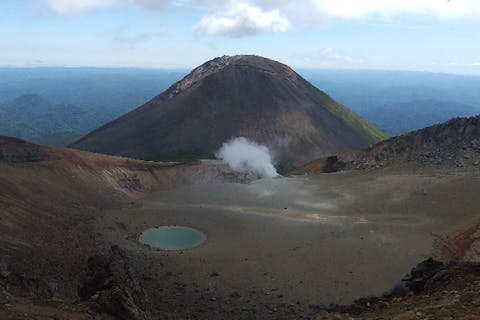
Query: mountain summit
{"points": [[230, 96]]}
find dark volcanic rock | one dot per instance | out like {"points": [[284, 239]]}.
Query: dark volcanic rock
{"points": [[454, 143], [249, 96], [424, 275], [333, 164], [15, 282], [117, 285], [17, 150], [4, 272]]}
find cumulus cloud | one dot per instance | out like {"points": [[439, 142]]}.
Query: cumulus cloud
{"points": [[319, 10], [253, 16], [242, 154], [243, 19]]}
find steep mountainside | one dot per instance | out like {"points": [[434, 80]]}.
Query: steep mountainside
{"points": [[455, 142], [227, 97]]}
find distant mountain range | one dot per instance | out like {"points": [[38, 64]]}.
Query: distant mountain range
{"points": [[119, 90], [33, 118], [401, 101], [401, 117]]}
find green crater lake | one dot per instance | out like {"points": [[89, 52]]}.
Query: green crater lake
{"points": [[172, 237]]}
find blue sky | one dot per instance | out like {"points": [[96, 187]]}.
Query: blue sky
{"points": [[432, 35]]}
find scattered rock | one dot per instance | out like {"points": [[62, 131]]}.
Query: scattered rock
{"points": [[130, 182], [425, 272], [445, 143], [440, 275], [444, 313], [324, 315], [116, 284], [399, 290], [317, 306], [4, 273], [407, 315], [17, 150], [467, 298]]}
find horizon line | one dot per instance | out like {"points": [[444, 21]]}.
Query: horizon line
{"points": [[474, 72]]}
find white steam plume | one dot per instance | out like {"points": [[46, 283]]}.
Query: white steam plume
{"points": [[242, 154]]}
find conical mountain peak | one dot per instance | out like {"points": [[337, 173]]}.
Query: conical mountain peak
{"points": [[236, 96]]}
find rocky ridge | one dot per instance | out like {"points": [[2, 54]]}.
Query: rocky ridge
{"points": [[17, 150], [217, 64], [454, 143], [430, 291]]}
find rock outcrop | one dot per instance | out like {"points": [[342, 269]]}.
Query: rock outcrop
{"points": [[113, 283], [454, 143], [17, 150]]}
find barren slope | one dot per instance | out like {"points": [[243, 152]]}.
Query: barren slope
{"points": [[50, 196], [235, 96], [276, 249], [454, 143]]}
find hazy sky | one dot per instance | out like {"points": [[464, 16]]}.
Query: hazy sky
{"points": [[435, 35]]}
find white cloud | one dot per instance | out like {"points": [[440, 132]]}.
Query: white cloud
{"points": [[243, 19], [68, 7], [126, 36], [389, 8], [78, 6], [326, 58]]}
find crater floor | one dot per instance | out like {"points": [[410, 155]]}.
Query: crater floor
{"points": [[299, 241]]}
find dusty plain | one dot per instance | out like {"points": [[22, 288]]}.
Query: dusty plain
{"points": [[303, 240]]}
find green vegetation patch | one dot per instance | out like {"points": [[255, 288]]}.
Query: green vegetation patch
{"points": [[347, 115]]}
